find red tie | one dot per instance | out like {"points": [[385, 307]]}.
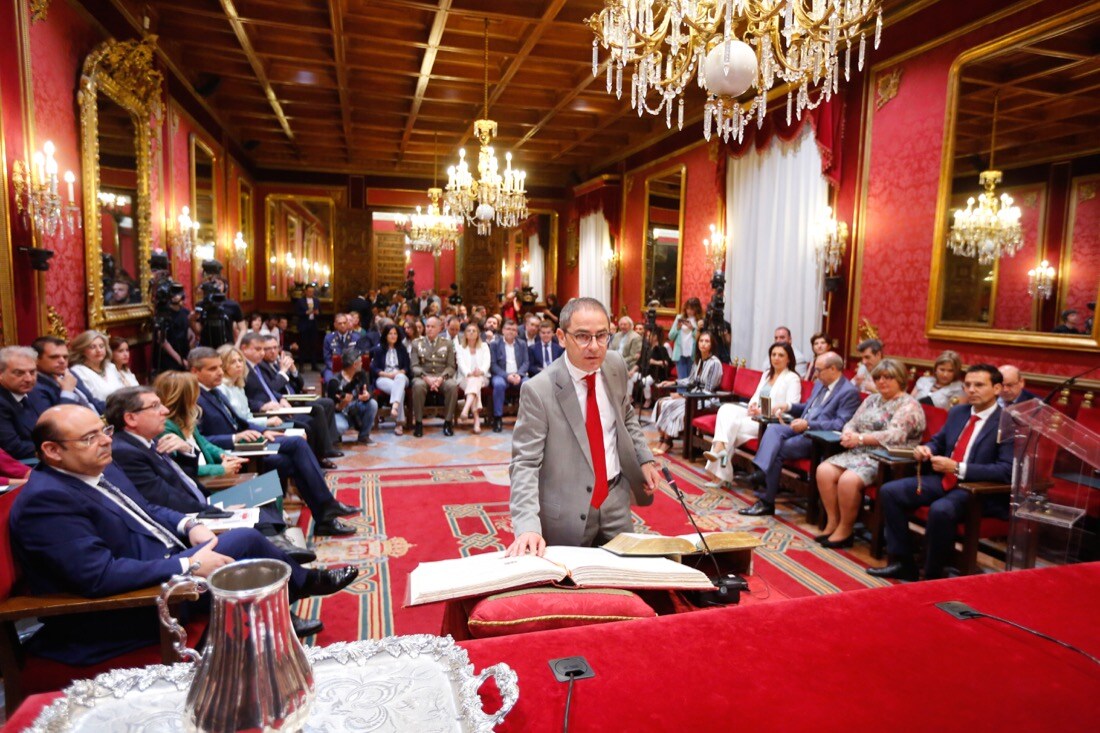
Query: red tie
{"points": [[951, 480], [594, 428]]}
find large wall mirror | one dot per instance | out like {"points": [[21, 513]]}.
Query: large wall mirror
{"points": [[1002, 109], [204, 205], [531, 258], [298, 244], [119, 97], [248, 234], [664, 237]]}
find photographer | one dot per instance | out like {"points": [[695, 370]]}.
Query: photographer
{"points": [[350, 391], [175, 335], [715, 318], [217, 319]]}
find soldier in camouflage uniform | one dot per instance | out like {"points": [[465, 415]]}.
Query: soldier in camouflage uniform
{"points": [[433, 369]]}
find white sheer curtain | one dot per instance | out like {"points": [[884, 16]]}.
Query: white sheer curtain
{"points": [[536, 259], [774, 203], [595, 239]]}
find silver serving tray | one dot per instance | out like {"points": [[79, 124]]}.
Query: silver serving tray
{"points": [[419, 683]]}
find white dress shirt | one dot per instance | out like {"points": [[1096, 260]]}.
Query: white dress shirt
{"points": [[607, 415], [510, 358], [982, 417]]}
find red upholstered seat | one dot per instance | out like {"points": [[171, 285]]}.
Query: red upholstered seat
{"points": [[990, 526], [807, 388], [802, 464], [934, 418], [729, 373], [745, 382], [751, 446], [705, 423]]}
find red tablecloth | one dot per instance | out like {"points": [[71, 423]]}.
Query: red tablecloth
{"points": [[877, 660]]}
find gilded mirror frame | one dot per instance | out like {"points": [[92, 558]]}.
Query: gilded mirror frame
{"points": [[935, 328], [246, 225], [681, 168], [196, 144], [275, 198], [123, 72]]}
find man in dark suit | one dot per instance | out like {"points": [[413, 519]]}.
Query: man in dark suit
{"points": [[336, 341], [56, 383], [544, 349], [832, 403], [1013, 388], [965, 449], [266, 393], [307, 309], [18, 412], [79, 526], [508, 367], [223, 428]]}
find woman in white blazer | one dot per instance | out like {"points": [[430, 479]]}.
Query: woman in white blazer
{"points": [[472, 356], [90, 359], [735, 425]]}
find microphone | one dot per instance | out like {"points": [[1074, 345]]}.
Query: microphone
{"points": [[728, 587], [1068, 383]]}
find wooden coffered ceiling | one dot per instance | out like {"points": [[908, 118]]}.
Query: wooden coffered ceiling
{"points": [[1048, 92], [366, 86]]}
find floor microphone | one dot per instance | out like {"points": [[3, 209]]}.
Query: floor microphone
{"points": [[728, 587], [1068, 383]]}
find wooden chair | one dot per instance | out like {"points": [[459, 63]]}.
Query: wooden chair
{"points": [[693, 410], [25, 674]]}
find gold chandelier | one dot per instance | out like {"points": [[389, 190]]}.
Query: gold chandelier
{"points": [[491, 196], [727, 47], [992, 228], [438, 229]]}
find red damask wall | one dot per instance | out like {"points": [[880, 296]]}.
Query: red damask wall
{"points": [[1085, 254], [902, 179]]}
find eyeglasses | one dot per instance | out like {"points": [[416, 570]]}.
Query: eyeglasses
{"points": [[151, 406], [583, 338], [90, 439]]}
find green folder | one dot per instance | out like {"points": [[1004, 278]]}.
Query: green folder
{"points": [[261, 490]]}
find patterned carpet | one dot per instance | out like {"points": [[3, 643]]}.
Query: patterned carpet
{"points": [[424, 514]]}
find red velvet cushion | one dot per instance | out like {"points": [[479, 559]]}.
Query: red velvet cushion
{"points": [[934, 418], [807, 389], [751, 446], [8, 572], [729, 372], [746, 381], [802, 464], [990, 526], [539, 609], [705, 423]]}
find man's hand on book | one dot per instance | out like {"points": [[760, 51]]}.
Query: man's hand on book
{"points": [[528, 543]]}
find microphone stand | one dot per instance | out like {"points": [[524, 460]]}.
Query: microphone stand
{"points": [[728, 587], [1068, 383]]}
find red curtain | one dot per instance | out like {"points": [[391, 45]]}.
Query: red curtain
{"points": [[607, 198], [828, 125]]}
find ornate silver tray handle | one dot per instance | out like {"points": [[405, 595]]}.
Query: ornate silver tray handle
{"points": [[418, 683]]}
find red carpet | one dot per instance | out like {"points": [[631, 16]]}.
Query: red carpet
{"points": [[418, 515]]}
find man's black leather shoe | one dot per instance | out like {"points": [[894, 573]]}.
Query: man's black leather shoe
{"points": [[304, 627], [333, 453], [448, 428], [418, 430], [300, 555], [327, 582], [339, 509], [327, 464], [757, 479], [333, 528], [760, 509], [897, 570], [498, 424]]}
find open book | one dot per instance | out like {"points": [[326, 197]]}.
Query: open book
{"points": [[584, 566], [631, 543]]}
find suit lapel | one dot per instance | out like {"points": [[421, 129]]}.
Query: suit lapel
{"points": [[566, 395], [94, 495]]}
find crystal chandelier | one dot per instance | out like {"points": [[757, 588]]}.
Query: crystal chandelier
{"points": [[1040, 281], [715, 248], [491, 196], [834, 237], [438, 229], [992, 228], [729, 46]]}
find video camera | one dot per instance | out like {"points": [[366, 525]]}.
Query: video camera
{"points": [[410, 285], [161, 285], [454, 298], [216, 327]]}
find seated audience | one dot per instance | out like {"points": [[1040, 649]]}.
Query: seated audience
{"points": [[232, 388], [12, 472], [820, 343], [350, 391], [782, 335], [1014, 387], [490, 329], [655, 366], [1072, 322], [629, 345], [965, 449], [91, 363], [390, 367], [509, 361], [543, 351], [255, 325], [473, 360], [179, 392], [79, 526], [120, 357], [735, 426], [455, 330], [943, 388], [705, 376], [870, 354], [143, 451], [432, 359], [335, 342], [19, 410], [831, 405], [56, 382], [530, 333], [888, 418]]}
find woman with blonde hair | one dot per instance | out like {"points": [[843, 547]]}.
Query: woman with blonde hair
{"points": [[472, 356], [232, 386], [179, 393], [943, 388], [120, 357], [90, 360]]}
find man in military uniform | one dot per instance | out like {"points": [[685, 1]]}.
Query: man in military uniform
{"points": [[433, 370]]}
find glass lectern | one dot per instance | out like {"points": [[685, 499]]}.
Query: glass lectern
{"points": [[1055, 487]]}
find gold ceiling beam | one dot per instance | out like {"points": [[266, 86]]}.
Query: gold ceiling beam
{"points": [[426, 64], [339, 57]]}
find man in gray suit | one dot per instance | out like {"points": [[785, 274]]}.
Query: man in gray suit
{"points": [[560, 495]]}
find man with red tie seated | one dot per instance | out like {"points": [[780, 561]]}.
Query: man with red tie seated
{"points": [[965, 449], [79, 526]]}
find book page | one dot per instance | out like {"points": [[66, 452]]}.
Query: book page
{"points": [[723, 540], [632, 543], [478, 575], [596, 567]]}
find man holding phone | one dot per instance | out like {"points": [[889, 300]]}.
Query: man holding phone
{"points": [[350, 390]]}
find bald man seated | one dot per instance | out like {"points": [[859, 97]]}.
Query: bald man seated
{"points": [[80, 527]]}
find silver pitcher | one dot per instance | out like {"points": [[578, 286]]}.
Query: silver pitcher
{"points": [[254, 675]]}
